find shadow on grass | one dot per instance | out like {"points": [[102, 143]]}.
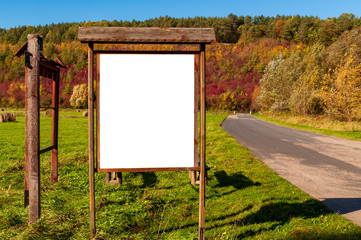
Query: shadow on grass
{"points": [[280, 213], [149, 179], [237, 180], [273, 215], [211, 219]]}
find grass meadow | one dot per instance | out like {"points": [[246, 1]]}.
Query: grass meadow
{"points": [[244, 198], [319, 124]]}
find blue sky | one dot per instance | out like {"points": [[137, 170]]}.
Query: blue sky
{"points": [[18, 13]]}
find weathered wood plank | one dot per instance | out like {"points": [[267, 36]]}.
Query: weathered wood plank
{"points": [[193, 174], [33, 130], [47, 149], [148, 169], [113, 178], [26, 166], [91, 139], [146, 35], [108, 177], [202, 176], [97, 104], [55, 127], [143, 52]]}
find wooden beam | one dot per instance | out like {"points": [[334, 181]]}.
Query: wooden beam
{"points": [[108, 177], [54, 129], [91, 139], [60, 63], [26, 166], [113, 178], [22, 50], [97, 104], [146, 35], [47, 149], [144, 52], [49, 64], [46, 72], [193, 174], [33, 130], [202, 176], [110, 170]]}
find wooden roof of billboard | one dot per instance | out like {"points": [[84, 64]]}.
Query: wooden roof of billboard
{"points": [[146, 35], [43, 60]]}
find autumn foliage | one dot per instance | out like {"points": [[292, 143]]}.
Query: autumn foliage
{"points": [[324, 80], [296, 63], [341, 88], [233, 71], [79, 98]]}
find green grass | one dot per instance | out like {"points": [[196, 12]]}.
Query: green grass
{"points": [[244, 198], [319, 124]]}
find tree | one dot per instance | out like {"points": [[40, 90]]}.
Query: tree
{"points": [[71, 34], [234, 100], [226, 29], [24, 36], [255, 94], [337, 50], [305, 98], [279, 27], [341, 89], [50, 37], [79, 98], [290, 28], [13, 34], [346, 21], [328, 32], [278, 81], [3, 54], [49, 51], [308, 29]]}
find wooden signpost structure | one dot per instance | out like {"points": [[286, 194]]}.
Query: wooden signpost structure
{"points": [[198, 37], [35, 66]]}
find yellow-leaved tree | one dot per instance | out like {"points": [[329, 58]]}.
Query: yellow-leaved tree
{"points": [[305, 97], [79, 98], [341, 89]]}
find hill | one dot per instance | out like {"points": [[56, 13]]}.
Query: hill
{"points": [[235, 65]]}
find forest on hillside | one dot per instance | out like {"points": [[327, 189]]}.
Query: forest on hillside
{"points": [[301, 64]]}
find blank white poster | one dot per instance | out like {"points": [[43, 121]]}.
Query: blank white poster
{"points": [[146, 111]]}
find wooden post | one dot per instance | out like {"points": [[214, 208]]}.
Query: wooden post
{"points": [[202, 176], [26, 165], [113, 178], [32, 127], [108, 177], [193, 174], [91, 139], [54, 130]]}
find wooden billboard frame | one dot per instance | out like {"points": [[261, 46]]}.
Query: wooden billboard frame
{"points": [[195, 167], [121, 35], [36, 66]]}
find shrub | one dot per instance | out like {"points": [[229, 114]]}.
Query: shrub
{"points": [[79, 98], [278, 81]]}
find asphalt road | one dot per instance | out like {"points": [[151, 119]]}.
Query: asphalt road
{"points": [[327, 168]]}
